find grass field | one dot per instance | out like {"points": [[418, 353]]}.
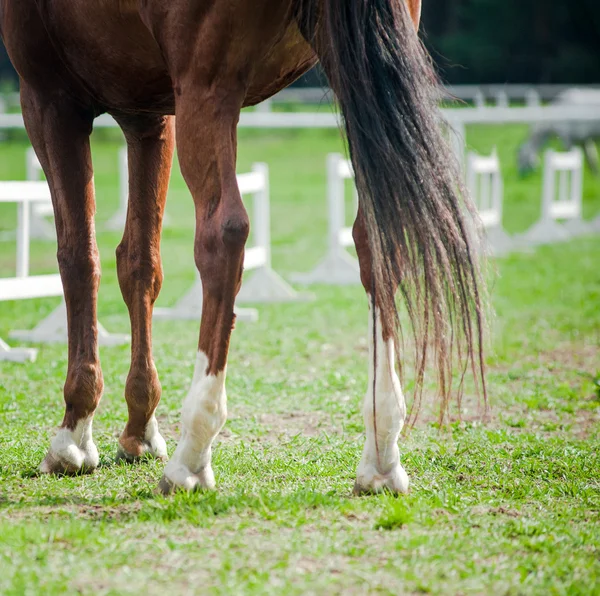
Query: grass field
{"points": [[511, 507]]}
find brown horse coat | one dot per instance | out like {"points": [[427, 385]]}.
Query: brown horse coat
{"points": [[203, 60]]}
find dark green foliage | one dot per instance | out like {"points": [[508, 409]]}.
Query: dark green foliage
{"points": [[516, 41]]}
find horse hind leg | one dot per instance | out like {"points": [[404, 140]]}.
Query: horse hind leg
{"points": [[384, 408], [150, 143], [59, 130]]}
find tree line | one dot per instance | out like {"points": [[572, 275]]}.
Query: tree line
{"points": [[500, 41]]}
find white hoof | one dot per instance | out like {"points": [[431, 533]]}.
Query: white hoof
{"points": [[369, 480], [72, 451], [179, 477], [154, 441]]}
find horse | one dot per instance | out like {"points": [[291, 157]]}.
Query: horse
{"points": [[571, 133], [179, 72]]}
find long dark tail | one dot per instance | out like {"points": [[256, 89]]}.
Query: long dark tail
{"points": [[409, 184]]}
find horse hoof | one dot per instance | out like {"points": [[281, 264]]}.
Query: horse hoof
{"points": [[167, 487], [132, 449], [370, 482], [70, 459], [180, 478], [72, 451]]}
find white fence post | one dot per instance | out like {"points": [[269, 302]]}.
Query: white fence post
{"points": [[484, 181], [23, 231], [502, 99], [261, 212], [532, 98], [265, 106], [562, 201], [264, 285], [479, 99], [40, 229], [338, 267], [117, 222], [458, 141]]}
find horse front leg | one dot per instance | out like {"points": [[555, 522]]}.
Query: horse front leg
{"points": [[206, 144], [59, 130], [384, 408], [150, 145]]}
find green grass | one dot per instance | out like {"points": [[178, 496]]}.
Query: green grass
{"points": [[511, 507]]}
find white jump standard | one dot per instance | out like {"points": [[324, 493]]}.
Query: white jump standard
{"points": [[23, 286], [562, 201], [265, 285], [338, 267], [54, 327], [484, 181]]}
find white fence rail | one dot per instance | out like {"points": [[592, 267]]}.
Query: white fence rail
{"points": [[264, 285], [478, 115], [515, 92], [338, 266]]}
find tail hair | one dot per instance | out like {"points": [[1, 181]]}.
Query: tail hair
{"points": [[409, 183]]}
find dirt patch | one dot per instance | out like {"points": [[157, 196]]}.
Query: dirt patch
{"points": [[566, 363], [309, 424], [89, 511], [270, 427], [569, 357], [480, 510]]}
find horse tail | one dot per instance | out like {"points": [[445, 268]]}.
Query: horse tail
{"points": [[409, 183]]}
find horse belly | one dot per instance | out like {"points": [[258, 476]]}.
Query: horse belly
{"points": [[103, 52]]}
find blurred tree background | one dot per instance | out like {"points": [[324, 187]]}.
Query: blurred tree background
{"points": [[501, 41], [514, 41]]}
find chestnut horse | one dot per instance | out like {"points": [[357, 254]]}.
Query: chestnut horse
{"points": [[145, 61]]}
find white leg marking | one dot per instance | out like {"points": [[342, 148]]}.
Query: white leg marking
{"points": [[153, 444], [203, 415], [380, 466], [72, 450], [157, 446]]}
